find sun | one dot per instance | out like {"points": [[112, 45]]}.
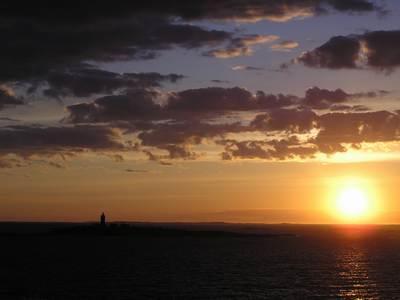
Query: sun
{"points": [[353, 200], [352, 203]]}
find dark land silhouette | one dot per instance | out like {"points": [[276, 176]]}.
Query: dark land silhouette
{"points": [[102, 228]]}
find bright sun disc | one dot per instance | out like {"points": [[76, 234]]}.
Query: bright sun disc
{"points": [[352, 203]]}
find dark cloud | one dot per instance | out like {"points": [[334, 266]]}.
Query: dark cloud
{"points": [[217, 99], [375, 49], [291, 148], [142, 104], [20, 139], [241, 46], [286, 120], [382, 48], [278, 10], [178, 152], [45, 36], [336, 132], [178, 138], [244, 150], [211, 99], [338, 53], [7, 98], [283, 149], [136, 104], [246, 68], [345, 107], [323, 98], [55, 48], [190, 132], [338, 129], [84, 82], [173, 130], [136, 171], [290, 134], [317, 98], [28, 141], [273, 10], [51, 45], [220, 81], [270, 101]]}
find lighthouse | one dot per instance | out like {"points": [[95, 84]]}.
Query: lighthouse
{"points": [[103, 220]]}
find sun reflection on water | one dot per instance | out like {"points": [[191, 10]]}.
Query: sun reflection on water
{"points": [[353, 266]]}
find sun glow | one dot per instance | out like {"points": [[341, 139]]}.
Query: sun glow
{"points": [[352, 203], [353, 200]]}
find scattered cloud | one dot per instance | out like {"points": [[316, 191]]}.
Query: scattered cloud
{"points": [[241, 46], [377, 50], [136, 171], [25, 142], [246, 68], [285, 46], [8, 98], [86, 81]]}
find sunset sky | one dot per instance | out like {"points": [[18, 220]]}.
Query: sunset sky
{"points": [[231, 110]]}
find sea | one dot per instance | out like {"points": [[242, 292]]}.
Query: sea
{"points": [[313, 262]]}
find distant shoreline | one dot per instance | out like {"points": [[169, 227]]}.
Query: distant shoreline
{"points": [[137, 230]]}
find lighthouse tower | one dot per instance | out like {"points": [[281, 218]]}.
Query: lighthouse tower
{"points": [[103, 220]]}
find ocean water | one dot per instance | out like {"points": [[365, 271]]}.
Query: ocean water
{"points": [[320, 262]]}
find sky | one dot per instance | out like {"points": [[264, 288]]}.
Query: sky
{"points": [[200, 111]]}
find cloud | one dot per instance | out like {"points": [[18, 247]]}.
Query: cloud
{"points": [[186, 120], [244, 10], [27, 141], [141, 105], [382, 49], [136, 104], [211, 99], [189, 132], [229, 52], [271, 101], [285, 46], [375, 50], [283, 149], [63, 37], [336, 132], [272, 10], [85, 81], [317, 98], [244, 150], [54, 45], [246, 68], [355, 128], [220, 81], [322, 98], [286, 120], [7, 98], [241, 46], [338, 53], [346, 108], [21, 138], [177, 139], [136, 171]]}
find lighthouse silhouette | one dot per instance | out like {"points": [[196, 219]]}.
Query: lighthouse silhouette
{"points": [[103, 220]]}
